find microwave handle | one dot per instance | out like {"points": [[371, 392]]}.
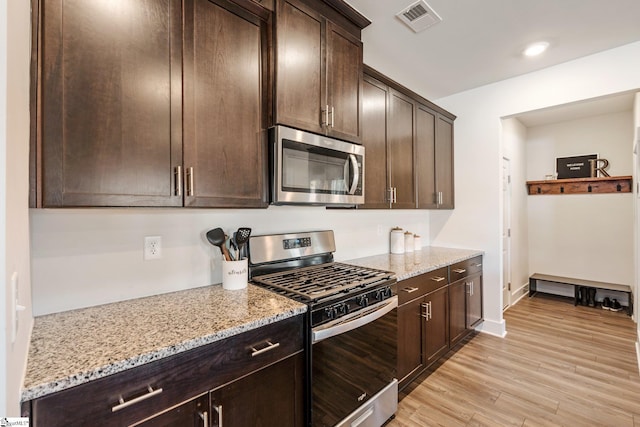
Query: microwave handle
{"points": [[356, 174]]}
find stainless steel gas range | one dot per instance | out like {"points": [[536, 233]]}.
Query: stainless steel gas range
{"points": [[351, 343]]}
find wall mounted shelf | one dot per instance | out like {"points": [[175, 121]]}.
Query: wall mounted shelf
{"points": [[610, 184]]}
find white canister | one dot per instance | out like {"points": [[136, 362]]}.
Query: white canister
{"points": [[397, 241], [408, 242], [235, 274], [417, 243]]}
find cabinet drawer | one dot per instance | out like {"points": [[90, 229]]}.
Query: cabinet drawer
{"points": [[465, 268], [420, 285], [158, 385]]}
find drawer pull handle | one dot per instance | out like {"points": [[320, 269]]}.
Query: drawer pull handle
{"points": [[479, 265], [123, 404], [437, 279], [459, 270], [409, 290], [269, 347]]}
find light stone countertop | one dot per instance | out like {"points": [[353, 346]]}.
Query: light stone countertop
{"points": [[415, 263], [75, 347]]}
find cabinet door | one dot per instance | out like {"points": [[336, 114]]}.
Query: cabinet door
{"points": [[224, 136], [193, 413], [111, 101], [300, 90], [410, 342], [436, 332], [425, 157], [374, 139], [344, 83], [400, 149], [444, 162], [474, 300], [457, 311], [270, 397]]}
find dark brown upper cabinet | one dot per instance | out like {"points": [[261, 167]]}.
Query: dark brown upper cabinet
{"points": [[434, 159], [409, 143], [400, 150], [318, 67], [122, 121], [225, 57]]}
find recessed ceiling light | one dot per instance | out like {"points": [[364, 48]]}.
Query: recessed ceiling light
{"points": [[536, 49]]}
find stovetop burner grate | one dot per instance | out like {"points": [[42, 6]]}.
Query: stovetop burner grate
{"points": [[320, 281]]}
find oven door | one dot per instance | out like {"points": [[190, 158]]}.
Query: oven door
{"points": [[313, 169], [353, 362]]}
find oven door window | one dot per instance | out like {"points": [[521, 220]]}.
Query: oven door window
{"points": [[311, 169], [348, 369]]}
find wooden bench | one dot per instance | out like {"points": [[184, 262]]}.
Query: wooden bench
{"points": [[576, 283]]}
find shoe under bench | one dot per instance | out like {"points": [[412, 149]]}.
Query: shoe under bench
{"points": [[576, 283]]}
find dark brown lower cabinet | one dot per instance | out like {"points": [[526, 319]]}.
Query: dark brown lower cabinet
{"points": [[457, 311], [434, 315], [256, 377], [474, 300], [410, 348], [423, 334], [436, 336], [271, 397]]}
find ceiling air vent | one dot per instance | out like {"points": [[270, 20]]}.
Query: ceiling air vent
{"points": [[419, 16]]}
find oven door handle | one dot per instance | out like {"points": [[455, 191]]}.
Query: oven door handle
{"points": [[354, 321]]}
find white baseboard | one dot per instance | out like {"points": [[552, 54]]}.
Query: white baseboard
{"points": [[491, 327]]}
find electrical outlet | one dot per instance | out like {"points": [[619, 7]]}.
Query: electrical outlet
{"points": [[152, 247]]}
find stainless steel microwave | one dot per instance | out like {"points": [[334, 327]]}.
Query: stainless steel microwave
{"points": [[313, 169]]}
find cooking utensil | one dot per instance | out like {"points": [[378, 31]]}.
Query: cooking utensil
{"points": [[217, 238], [241, 238], [234, 245]]}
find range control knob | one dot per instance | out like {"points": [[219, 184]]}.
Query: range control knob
{"points": [[363, 301], [331, 312], [342, 309]]}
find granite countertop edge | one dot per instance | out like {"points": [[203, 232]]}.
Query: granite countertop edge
{"points": [[413, 264], [94, 373]]}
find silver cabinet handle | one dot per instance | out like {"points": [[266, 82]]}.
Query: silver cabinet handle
{"points": [[178, 178], [430, 312], [332, 116], [189, 173], [470, 287], [440, 198], [472, 290], [479, 265], [459, 270], [123, 404], [409, 290], [426, 310], [326, 115], [204, 416], [437, 279], [270, 346], [218, 410], [395, 194]]}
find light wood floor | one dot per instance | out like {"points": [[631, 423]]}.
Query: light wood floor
{"points": [[559, 365]]}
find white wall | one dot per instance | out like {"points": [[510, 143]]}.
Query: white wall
{"points": [[636, 193], [476, 221], [586, 236], [85, 257], [14, 190], [514, 138]]}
